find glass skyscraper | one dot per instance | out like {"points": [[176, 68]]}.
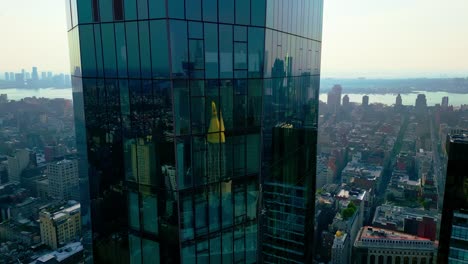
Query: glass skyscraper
{"points": [[196, 127]]}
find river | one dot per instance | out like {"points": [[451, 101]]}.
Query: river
{"points": [[387, 99]]}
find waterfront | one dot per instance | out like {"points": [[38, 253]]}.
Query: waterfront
{"points": [[433, 98]]}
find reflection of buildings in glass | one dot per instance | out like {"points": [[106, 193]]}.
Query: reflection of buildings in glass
{"points": [[453, 239], [186, 180]]}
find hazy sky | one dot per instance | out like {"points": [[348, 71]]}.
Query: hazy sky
{"points": [[368, 38]]}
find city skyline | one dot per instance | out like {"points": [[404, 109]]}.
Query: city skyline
{"points": [[365, 40]]}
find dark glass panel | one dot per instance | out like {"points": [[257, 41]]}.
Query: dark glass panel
{"points": [[151, 254], [240, 55], [176, 8], [197, 58], [198, 115], [225, 53], [211, 50], [226, 11], [134, 210], [203, 252], [214, 200], [108, 41], [130, 9], [105, 8], [121, 49], [193, 8], [258, 12], [256, 48], [135, 249], [227, 210], [210, 10], [118, 10], [228, 247], [179, 48], [240, 33], [157, 8], [145, 52], [197, 88], [239, 153], [98, 46], [150, 214], [96, 17], [88, 62], [181, 107], [184, 162], [199, 152], [142, 6], [253, 153], [226, 98], [201, 213], [133, 49], [189, 254], [215, 250], [159, 48], [243, 12], [196, 30]]}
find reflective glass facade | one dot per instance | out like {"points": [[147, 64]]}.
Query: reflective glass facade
{"points": [[196, 123]]}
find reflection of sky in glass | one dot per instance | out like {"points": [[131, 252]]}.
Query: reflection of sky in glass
{"points": [[432, 98]]}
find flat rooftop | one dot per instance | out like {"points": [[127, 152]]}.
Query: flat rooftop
{"points": [[459, 136], [369, 232]]}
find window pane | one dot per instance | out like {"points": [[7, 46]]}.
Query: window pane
{"points": [[110, 64], [105, 6], [150, 214], [243, 12], [133, 49], [145, 49], [130, 9], [186, 218], [258, 11], [181, 108], [159, 48], [121, 49], [88, 62], [226, 11], [135, 249], [256, 50], [118, 10], [142, 9], [98, 45], [240, 55], [210, 10], [176, 8], [226, 47], [240, 33], [179, 46], [211, 50], [196, 30], [157, 8], [193, 8], [151, 253], [134, 210]]}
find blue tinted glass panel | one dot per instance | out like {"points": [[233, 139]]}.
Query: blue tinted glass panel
{"points": [[135, 249], [226, 11], [88, 62], [240, 33], [121, 49], [188, 254], [243, 12], [150, 214], [134, 210], [159, 48], [196, 30], [225, 53], [157, 8], [193, 8], [151, 253], [145, 53], [105, 8], [211, 50], [210, 10], [256, 47], [258, 12], [179, 48], [142, 9], [181, 108], [98, 45], [270, 14], [240, 55], [176, 8], [110, 64], [133, 49], [130, 9], [226, 204], [227, 247]]}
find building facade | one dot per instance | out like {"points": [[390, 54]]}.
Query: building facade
{"points": [[340, 249], [60, 225], [197, 120], [453, 239], [381, 246], [63, 180]]}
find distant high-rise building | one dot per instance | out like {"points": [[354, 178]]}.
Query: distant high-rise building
{"points": [[445, 101], [453, 238], [19, 78], [49, 75], [421, 103], [27, 76], [35, 74], [334, 98], [63, 179], [197, 124], [346, 101], [365, 100], [12, 76], [7, 76], [16, 164], [43, 75], [60, 224], [398, 101]]}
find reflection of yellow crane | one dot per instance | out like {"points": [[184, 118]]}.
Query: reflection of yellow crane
{"points": [[216, 129]]}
